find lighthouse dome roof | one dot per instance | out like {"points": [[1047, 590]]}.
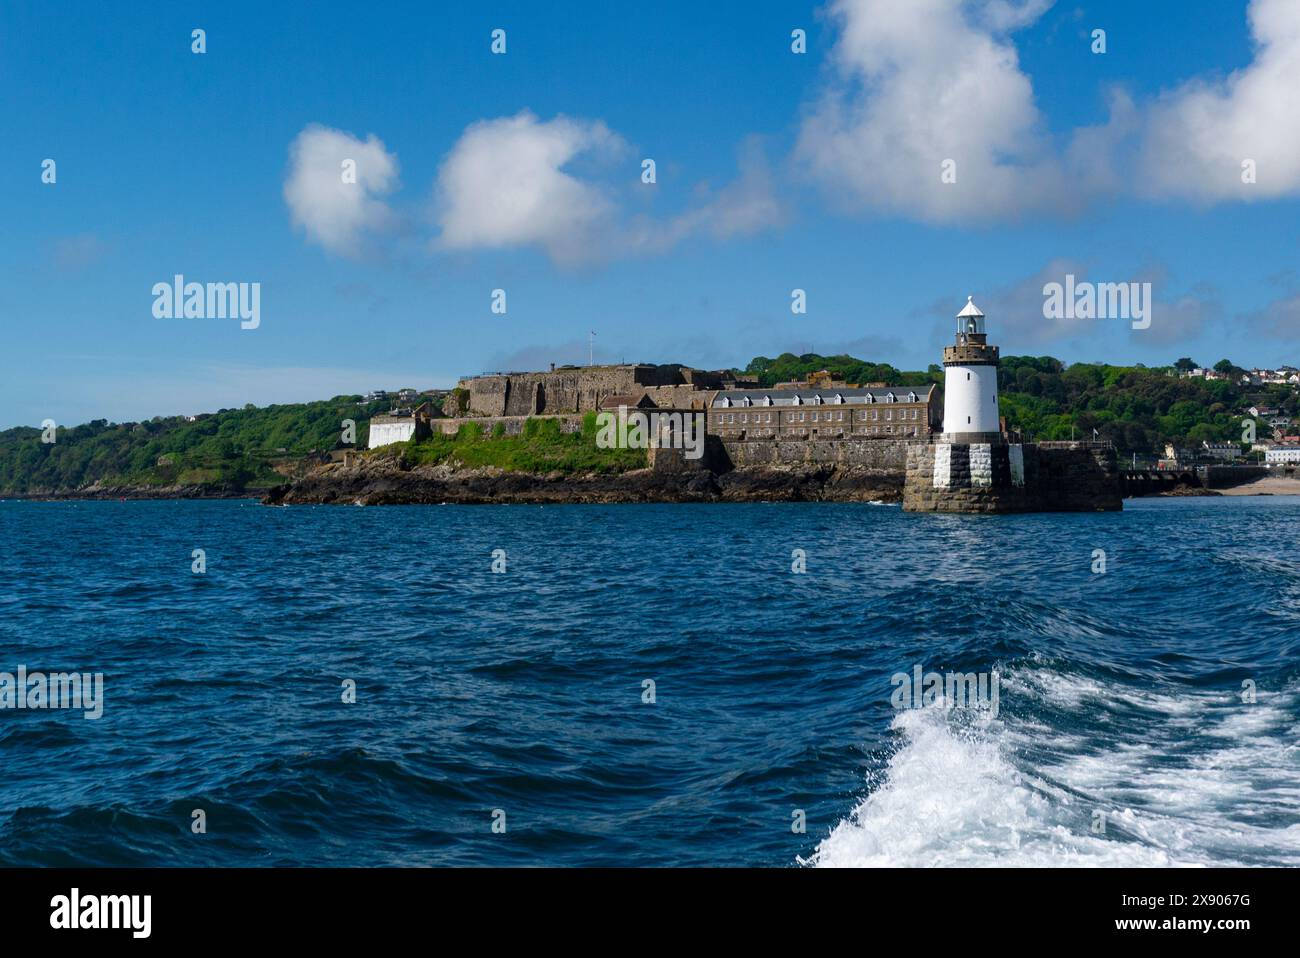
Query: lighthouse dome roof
{"points": [[970, 309]]}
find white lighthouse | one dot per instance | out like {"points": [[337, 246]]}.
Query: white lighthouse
{"points": [[971, 382]]}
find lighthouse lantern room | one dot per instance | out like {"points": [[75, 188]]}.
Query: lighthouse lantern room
{"points": [[971, 382]]}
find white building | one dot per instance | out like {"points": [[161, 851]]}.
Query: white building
{"points": [[971, 381], [1226, 451], [1282, 454]]}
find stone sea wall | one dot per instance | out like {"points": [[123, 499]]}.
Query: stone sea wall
{"points": [[884, 454], [1002, 477]]}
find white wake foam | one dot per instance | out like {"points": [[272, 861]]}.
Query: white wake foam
{"points": [[1182, 778]]}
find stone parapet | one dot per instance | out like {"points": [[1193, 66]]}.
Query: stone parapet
{"points": [[970, 354]]}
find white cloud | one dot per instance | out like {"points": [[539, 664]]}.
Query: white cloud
{"points": [[912, 85], [747, 205], [1280, 319], [1181, 320], [922, 82], [561, 185], [743, 207], [1015, 311], [504, 185], [334, 213], [79, 251], [507, 182], [1198, 135], [1009, 15]]}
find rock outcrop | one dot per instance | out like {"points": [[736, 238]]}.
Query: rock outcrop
{"points": [[388, 481]]}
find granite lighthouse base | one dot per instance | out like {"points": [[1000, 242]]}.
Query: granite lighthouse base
{"points": [[999, 476]]}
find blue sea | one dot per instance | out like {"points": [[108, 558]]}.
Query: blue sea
{"points": [[652, 685]]}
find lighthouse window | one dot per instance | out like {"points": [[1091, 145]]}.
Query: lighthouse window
{"points": [[968, 420], [968, 376]]}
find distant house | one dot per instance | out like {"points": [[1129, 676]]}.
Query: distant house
{"points": [[1227, 451], [1178, 454], [407, 395], [375, 395]]}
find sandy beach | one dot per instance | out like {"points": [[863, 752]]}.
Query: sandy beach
{"points": [[1268, 486]]}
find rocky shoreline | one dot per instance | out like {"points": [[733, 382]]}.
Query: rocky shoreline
{"points": [[385, 482], [109, 492]]}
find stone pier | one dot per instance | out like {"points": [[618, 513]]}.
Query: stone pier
{"points": [[999, 476]]}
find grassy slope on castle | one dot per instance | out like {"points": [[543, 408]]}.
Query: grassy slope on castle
{"points": [[1138, 409], [541, 447]]}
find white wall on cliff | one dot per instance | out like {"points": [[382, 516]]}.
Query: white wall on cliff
{"points": [[383, 433]]}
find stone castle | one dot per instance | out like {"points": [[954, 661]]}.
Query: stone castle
{"points": [[579, 389], [948, 448]]}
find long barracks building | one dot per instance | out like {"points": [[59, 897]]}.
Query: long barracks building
{"points": [[836, 412]]}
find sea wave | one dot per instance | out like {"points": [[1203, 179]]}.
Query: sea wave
{"points": [[1177, 778]]}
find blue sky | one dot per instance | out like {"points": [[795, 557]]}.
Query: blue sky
{"points": [[522, 172]]}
